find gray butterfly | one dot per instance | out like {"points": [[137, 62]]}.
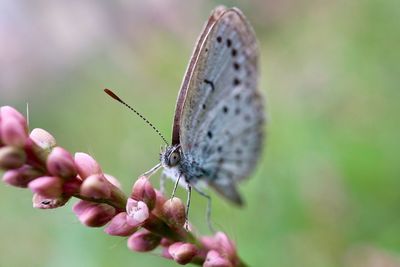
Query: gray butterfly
{"points": [[218, 126], [219, 117]]}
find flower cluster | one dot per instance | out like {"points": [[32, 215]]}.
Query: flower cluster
{"points": [[149, 220]]}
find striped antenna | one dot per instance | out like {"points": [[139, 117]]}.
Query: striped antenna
{"points": [[115, 97]]}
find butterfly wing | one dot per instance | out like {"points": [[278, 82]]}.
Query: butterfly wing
{"points": [[219, 114], [215, 14]]}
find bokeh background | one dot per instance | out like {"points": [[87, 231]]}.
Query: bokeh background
{"points": [[326, 192]]}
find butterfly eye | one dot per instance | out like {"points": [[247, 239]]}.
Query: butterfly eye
{"points": [[174, 158]]}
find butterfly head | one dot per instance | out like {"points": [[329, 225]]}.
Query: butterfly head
{"points": [[171, 156]]}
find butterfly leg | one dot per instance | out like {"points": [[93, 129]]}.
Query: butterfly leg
{"points": [[208, 212], [152, 170], [189, 196], [175, 186]]}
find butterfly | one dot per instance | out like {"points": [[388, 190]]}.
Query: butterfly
{"points": [[218, 127]]}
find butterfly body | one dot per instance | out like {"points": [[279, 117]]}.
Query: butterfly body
{"points": [[182, 167], [219, 117]]}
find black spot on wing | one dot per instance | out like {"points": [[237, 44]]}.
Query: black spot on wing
{"points": [[236, 81], [210, 83], [234, 52]]}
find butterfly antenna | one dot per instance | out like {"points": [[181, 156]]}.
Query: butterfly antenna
{"points": [[114, 96]]}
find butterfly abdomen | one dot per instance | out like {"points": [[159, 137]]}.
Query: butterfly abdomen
{"points": [[192, 170]]}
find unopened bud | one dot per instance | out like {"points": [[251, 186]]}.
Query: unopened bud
{"points": [[47, 186], [214, 259], [72, 186], [80, 207], [21, 177], [43, 139], [174, 212], [13, 127], [226, 246], [160, 200], [86, 165], [11, 157], [8, 111], [60, 163], [143, 241], [165, 253], [209, 242], [96, 186], [119, 226], [114, 181], [38, 146], [93, 214], [182, 253], [41, 202], [143, 190]]}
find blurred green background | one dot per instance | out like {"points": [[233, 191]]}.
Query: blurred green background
{"points": [[326, 192]]}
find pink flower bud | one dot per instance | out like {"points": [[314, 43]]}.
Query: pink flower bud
{"points": [[220, 242], [93, 214], [160, 200], [114, 181], [7, 111], [41, 202], [72, 186], [165, 253], [21, 177], [60, 163], [143, 241], [43, 139], [144, 191], [13, 133], [86, 165], [119, 226], [38, 146], [80, 207], [13, 127], [137, 212], [14, 178], [96, 186], [11, 157], [174, 212], [36, 156], [47, 186], [182, 253], [214, 259], [226, 246], [209, 242]]}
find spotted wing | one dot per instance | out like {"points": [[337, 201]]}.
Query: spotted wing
{"points": [[219, 114]]}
